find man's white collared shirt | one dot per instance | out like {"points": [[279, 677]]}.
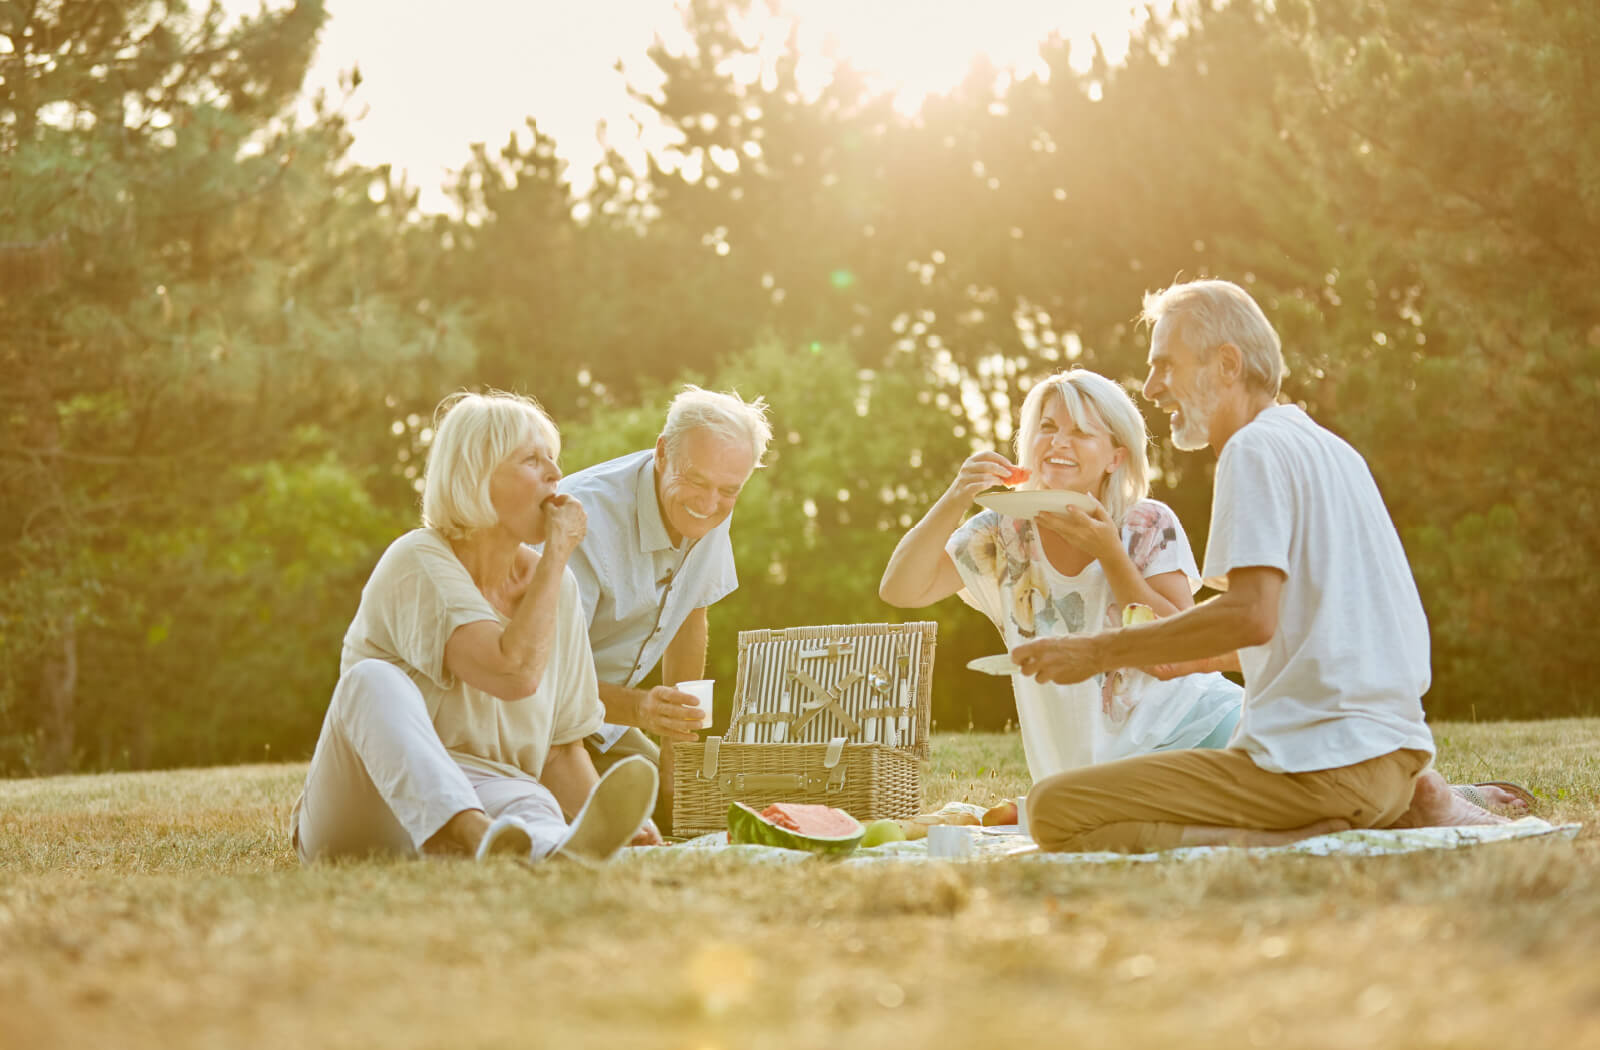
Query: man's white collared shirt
{"points": [[637, 588]]}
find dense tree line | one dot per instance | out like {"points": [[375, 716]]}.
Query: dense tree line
{"points": [[220, 342]]}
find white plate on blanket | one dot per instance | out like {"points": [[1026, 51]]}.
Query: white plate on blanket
{"points": [[1028, 503], [1000, 664]]}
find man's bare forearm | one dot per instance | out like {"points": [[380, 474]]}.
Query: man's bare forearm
{"points": [[1213, 630], [621, 703], [685, 656]]}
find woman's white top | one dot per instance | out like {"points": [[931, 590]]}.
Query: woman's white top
{"points": [[416, 598], [1007, 577]]}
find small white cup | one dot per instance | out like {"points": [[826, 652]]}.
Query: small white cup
{"points": [[949, 841], [700, 689], [1022, 814]]}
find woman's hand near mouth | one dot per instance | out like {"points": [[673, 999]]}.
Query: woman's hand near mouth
{"points": [[565, 523]]}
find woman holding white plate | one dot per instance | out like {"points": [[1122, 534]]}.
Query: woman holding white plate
{"points": [[1066, 553]]}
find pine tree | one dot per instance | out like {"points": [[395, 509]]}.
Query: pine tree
{"points": [[1455, 148], [207, 311]]}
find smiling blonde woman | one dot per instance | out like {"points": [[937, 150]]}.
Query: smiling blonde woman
{"points": [[1072, 573]]}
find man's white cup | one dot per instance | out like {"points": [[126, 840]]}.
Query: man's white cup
{"points": [[700, 689]]}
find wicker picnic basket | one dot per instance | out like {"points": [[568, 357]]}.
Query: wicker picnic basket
{"points": [[836, 715]]}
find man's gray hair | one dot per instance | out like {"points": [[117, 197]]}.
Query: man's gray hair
{"points": [[1206, 314], [726, 414]]}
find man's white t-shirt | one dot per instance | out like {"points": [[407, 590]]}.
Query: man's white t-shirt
{"points": [[1342, 679]]}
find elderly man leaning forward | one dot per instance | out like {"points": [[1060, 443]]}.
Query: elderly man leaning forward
{"points": [[1317, 599], [657, 553]]}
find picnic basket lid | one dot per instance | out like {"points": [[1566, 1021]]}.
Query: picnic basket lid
{"points": [[869, 683]]}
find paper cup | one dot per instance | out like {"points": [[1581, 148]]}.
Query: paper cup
{"points": [[1022, 814], [949, 841], [700, 689]]}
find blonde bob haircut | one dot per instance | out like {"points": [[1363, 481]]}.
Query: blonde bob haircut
{"points": [[1207, 314], [472, 435], [1096, 405], [727, 415]]}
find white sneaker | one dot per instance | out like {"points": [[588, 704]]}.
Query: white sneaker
{"points": [[615, 811], [505, 837]]}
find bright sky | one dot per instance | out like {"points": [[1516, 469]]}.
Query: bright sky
{"points": [[438, 75]]}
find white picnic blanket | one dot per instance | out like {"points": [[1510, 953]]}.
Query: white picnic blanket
{"points": [[1012, 843]]}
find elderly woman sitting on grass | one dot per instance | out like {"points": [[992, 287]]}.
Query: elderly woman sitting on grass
{"points": [[466, 682]]}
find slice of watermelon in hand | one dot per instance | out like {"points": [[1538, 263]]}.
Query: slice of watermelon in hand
{"points": [[1017, 476]]}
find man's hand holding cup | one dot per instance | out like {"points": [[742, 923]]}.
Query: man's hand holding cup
{"points": [[674, 713]]}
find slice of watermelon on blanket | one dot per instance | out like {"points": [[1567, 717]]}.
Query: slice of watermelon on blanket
{"points": [[795, 825]]}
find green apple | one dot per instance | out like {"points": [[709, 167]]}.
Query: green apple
{"points": [[881, 831]]}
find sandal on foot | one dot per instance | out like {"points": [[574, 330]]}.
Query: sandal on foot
{"points": [[1471, 793], [1515, 790]]}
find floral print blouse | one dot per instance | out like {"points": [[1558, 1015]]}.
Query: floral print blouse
{"points": [[1007, 577]]}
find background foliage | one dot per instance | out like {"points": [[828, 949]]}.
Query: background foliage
{"points": [[221, 342]]}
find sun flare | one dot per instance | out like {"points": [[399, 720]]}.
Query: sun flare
{"points": [[918, 48], [491, 65]]}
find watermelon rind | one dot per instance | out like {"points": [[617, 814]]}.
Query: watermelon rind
{"points": [[746, 827]]}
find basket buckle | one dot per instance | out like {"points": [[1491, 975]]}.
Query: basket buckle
{"points": [[708, 764], [830, 762]]}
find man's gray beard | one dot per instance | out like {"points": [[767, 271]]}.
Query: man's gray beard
{"points": [[1193, 433], [1190, 434]]}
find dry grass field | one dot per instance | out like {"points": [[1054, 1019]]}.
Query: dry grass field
{"points": [[166, 910]]}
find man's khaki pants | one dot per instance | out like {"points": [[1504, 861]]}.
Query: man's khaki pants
{"points": [[1143, 803]]}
